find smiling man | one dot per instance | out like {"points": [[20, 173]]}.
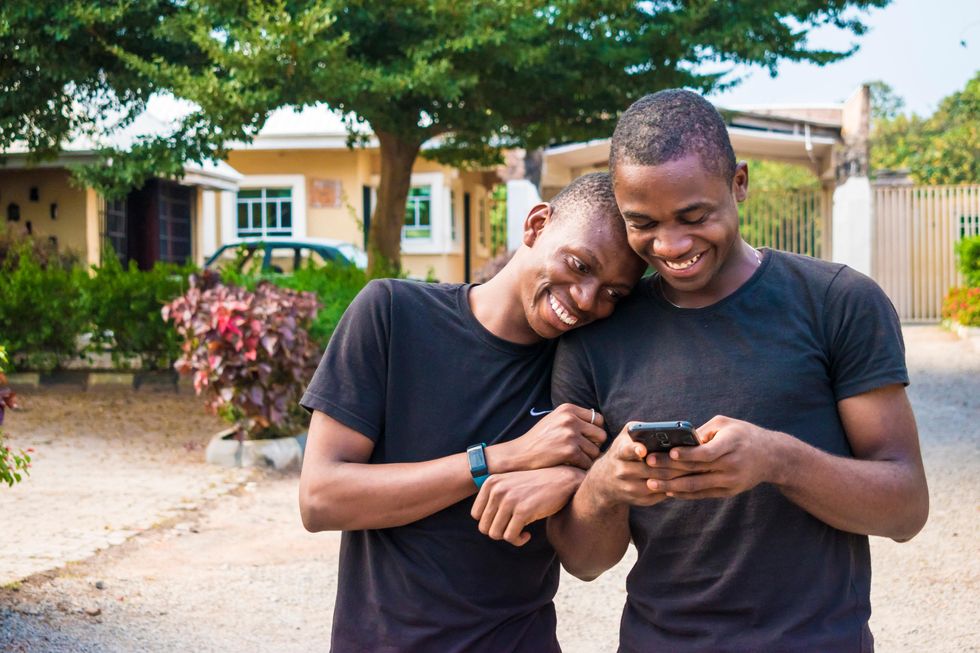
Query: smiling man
{"points": [[424, 391], [792, 369]]}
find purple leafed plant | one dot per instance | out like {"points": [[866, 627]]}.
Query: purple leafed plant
{"points": [[250, 353]]}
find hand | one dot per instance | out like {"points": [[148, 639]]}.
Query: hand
{"points": [[567, 436], [623, 474], [734, 457], [507, 503]]}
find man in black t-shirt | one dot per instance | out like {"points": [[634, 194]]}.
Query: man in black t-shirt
{"points": [[793, 371], [416, 377]]}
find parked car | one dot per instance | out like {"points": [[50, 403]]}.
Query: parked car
{"points": [[285, 255]]}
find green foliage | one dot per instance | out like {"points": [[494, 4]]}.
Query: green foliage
{"points": [[335, 287], [477, 77], [962, 306], [123, 305], [775, 175], [41, 312], [941, 149], [968, 260], [13, 464]]}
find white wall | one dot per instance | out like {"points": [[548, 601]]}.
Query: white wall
{"points": [[521, 197], [852, 224]]}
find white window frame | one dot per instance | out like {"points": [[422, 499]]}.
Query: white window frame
{"points": [[296, 183], [440, 237]]}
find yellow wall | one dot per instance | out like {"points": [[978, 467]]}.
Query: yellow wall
{"points": [[346, 166], [53, 187]]}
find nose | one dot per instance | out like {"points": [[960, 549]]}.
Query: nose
{"points": [[584, 295], [672, 242]]}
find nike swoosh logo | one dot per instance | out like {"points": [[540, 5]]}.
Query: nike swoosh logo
{"points": [[539, 413]]}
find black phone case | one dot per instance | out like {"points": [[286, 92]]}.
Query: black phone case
{"points": [[664, 436]]}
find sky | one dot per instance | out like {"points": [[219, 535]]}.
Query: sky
{"points": [[912, 45]]}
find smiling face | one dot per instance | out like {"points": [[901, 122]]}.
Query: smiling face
{"points": [[682, 219], [576, 269]]}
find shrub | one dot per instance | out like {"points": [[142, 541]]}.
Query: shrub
{"points": [[123, 304], [968, 260], [249, 352], [40, 307], [962, 305], [335, 287], [14, 465]]}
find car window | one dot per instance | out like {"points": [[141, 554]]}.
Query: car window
{"points": [[282, 259], [238, 257], [309, 256]]}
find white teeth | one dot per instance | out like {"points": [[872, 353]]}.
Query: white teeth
{"points": [[562, 314], [682, 265]]}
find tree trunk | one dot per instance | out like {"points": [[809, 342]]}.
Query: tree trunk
{"points": [[385, 236]]}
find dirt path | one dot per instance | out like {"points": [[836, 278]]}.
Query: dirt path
{"points": [[237, 572]]}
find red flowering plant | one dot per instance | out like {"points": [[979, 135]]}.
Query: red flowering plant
{"points": [[14, 465], [249, 352], [962, 306]]}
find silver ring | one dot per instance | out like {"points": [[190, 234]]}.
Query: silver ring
{"points": [[592, 421]]}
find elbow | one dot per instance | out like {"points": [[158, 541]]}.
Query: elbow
{"points": [[915, 518], [583, 573], [317, 510]]}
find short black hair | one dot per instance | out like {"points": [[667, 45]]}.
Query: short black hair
{"points": [[669, 125], [588, 196]]}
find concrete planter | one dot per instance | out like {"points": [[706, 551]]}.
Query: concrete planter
{"points": [[969, 333], [276, 453]]}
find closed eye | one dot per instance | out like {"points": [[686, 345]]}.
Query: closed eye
{"points": [[577, 265]]}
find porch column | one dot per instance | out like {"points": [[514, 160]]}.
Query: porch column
{"points": [[852, 224], [209, 228], [521, 197], [93, 231]]}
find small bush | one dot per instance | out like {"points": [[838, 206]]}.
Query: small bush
{"points": [[249, 352], [123, 304], [962, 305], [968, 260], [14, 465], [41, 311], [335, 287]]}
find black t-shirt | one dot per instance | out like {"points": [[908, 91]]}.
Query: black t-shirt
{"points": [[411, 368], [753, 572]]}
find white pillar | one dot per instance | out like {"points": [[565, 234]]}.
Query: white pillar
{"points": [[209, 230], [852, 224], [521, 198], [227, 218]]}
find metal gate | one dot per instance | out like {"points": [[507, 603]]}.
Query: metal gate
{"points": [[791, 220], [915, 229]]}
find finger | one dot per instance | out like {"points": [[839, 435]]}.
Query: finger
{"points": [[489, 513], [480, 503], [584, 414], [594, 433], [709, 452], [515, 533], [664, 461], [664, 474], [589, 448], [581, 460], [715, 493], [689, 483], [499, 524]]}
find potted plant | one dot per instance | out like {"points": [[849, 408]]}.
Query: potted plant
{"points": [[250, 355]]}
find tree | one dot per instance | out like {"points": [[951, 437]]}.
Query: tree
{"points": [[941, 149], [465, 78]]}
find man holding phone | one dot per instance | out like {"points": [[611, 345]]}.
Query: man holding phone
{"points": [[424, 392], [792, 369]]}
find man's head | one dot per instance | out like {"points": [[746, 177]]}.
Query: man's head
{"points": [[576, 263], [678, 187]]}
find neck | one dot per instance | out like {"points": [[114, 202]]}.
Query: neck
{"points": [[737, 270], [497, 306]]}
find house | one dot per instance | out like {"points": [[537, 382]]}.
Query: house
{"points": [[297, 178]]}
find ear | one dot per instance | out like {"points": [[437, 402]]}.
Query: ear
{"points": [[535, 221], [740, 182]]}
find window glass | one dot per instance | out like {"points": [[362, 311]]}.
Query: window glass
{"points": [[282, 259], [418, 209], [265, 212]]}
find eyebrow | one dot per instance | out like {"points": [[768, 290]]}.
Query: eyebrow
{"points": [[693, 206]]}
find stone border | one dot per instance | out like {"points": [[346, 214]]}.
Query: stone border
{"points": [[278, 453], [969, 333]]}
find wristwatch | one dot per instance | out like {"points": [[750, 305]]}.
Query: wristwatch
{"points": [[477, 456]]}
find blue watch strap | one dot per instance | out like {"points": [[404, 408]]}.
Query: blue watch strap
{"points": [[476, 455]]}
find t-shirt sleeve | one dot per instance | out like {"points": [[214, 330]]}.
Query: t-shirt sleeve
{"points": [[866, 347], [572, 380], [350, 383]]}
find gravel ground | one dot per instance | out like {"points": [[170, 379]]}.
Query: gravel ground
{"points": [[236, 571]]}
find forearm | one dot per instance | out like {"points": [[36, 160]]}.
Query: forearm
{"points": [[590, 535], [356, 496], [882, 497]]}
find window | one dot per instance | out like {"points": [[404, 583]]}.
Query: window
{"points": [[265, 212], [452, 215], [418, 213], [115, 228]]}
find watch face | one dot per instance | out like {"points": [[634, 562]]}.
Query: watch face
{"points": [[476, 458]]}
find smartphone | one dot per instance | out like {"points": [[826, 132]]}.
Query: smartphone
{"points": [[664, 436]]}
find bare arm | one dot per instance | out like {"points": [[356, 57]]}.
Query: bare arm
{"points": [[340, 490], [592, 533], [880, 491]]}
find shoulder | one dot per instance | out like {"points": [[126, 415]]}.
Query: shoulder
{"points": [[394, 291], [824, 280]]}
